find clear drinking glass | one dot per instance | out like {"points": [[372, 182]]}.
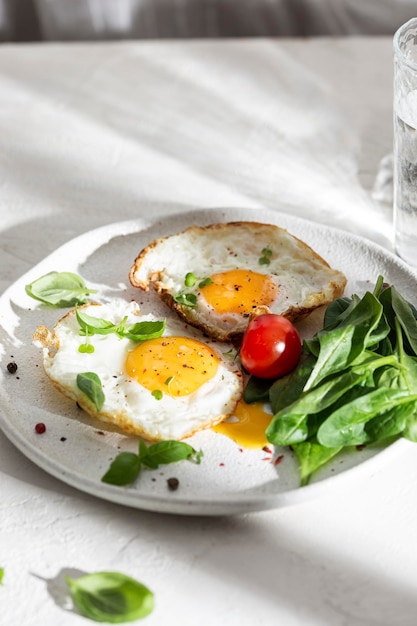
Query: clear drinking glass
{"points": [[405, 141]]}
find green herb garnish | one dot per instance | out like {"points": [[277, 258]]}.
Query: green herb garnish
{"points": [[90, 384], [157, 394], [127, 465], [205, 282], [190, 279], [187, 299], [59, 289], [1, 575], [265, 258], [110, 597], [141, 331]]}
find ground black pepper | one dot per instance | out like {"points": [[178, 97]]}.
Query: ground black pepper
{"points": [[12, 367]]}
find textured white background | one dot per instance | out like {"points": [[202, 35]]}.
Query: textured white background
{"points": [[92, 134]]}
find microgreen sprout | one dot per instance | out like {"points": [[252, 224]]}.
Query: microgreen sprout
{"points": [[205, 282], [187, 298], [265, 258], [190, 279]]}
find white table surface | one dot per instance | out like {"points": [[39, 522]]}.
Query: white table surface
{"points": [[92, 134]]}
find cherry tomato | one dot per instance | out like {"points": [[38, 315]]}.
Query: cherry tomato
{"points": [[271, 346]]}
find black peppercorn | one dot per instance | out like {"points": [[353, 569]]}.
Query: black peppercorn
{"points": [[173, 483], [12, 367]]}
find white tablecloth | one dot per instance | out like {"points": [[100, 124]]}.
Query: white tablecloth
{"points": [[92, 134]]}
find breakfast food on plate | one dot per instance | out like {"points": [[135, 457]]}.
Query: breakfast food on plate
{"points": [[158, 379], [216, 277]]}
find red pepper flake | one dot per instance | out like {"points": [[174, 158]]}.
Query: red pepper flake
{"points": [[266, 449], [267, 458], [278, 460], [40, 428], [221, 464]]}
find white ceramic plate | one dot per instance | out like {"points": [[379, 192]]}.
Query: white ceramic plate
{"points": [[78, 450]]}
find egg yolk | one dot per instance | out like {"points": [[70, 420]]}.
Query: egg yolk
{"points": [[247, 426], [177, 366], [239, 291]]}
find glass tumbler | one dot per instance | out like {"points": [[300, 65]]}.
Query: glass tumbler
{"points": [[405, 141]]}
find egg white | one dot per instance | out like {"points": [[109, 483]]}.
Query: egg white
{"points": [[128, 404], [305, 280]]}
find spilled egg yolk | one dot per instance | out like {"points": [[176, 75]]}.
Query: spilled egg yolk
{"points": [[177, 366], [247, 426], [239, 291]]}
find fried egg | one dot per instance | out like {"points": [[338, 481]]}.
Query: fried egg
{"points": [[165, 387], [216, 277]]}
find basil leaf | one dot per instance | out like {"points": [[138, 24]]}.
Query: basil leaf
{"points": [[90, 384], [123, 470], [111, 597], [164, 452], [145, 330], [127, 465], [94, 325], [59, 289]]}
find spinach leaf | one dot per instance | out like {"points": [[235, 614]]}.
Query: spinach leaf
{"points": [[289, 426], [311, 456], [111, 597], [362, 387], [406, 318], [257, 390], [59, 289], [334, 312], [346, 426], [339, 347], [288, 389], [390, 423]]}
